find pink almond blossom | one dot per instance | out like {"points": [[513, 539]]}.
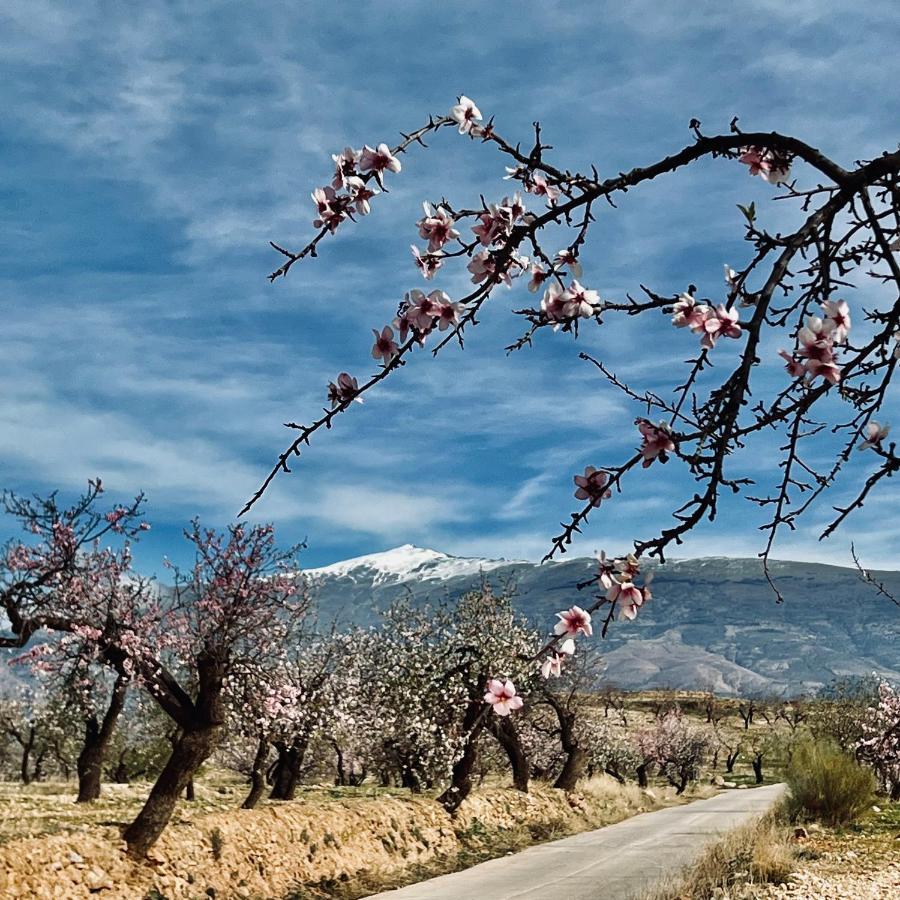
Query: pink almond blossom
{"points": [[538, 277], [874, 434], [793, 366], [539, 186], [552, 666], [554, 303], [722, 322], [580, 302], [385, 347], [427, 263], [687, 313], [572, 622], [379, 160], [436, 226], [465, 114], [502, 697], [360, 194], [483, 268], [344, 166], [344, 389], [837, 319], [568, 260], [421, 310], [592, 486], [657, 441]]}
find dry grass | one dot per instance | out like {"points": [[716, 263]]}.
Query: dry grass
{"points": [[328, 843], [759, 853], [861, 862]]}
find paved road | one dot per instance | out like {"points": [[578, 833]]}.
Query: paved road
{"points": [[612, 863]]}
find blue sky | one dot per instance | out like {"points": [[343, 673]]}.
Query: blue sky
{"points": [[148, 153]]}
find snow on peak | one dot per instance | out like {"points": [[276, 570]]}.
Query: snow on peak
{"points": [[406, 563]]}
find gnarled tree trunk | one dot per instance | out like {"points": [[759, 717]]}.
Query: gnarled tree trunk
{"points": [[201, 723], [576, 755], [461, 779], [287, 769], [96, 741], [257, 775], [191, 750], [504, 730]]}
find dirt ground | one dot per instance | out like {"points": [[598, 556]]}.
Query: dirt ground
{"points": [[329, 842], [857, 863]]}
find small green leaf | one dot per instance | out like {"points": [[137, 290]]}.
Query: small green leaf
{"points": [[749, 212]]}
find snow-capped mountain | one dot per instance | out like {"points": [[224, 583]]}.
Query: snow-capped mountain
{"points": [[712, 624], [406, 563]]}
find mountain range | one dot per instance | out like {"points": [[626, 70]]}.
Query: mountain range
{"points": [[713, 623]]}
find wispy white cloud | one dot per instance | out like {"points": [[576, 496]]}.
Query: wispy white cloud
{"points": [[171, 142]]}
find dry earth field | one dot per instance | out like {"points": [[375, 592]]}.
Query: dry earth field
{"points": [[330, 842], [327, 843]]}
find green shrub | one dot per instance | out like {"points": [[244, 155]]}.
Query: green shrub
{"points": [[827, 784]]}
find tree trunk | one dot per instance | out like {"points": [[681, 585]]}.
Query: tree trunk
{"points": [[572, 769], [189, 793], [120, 776], [38, 772], [642, 775], [614, 774], [757, 768], [287, 770], [191, 750], [576, 756], [730, 760], [257, 775], [339, 761], [895, 791], [409, 779], [96, 741], [27, 747], [461, 779], [504, 730]]}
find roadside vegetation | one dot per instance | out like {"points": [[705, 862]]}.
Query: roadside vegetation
{"points": [[829, 838]]}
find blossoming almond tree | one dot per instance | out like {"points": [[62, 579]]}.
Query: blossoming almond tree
{"points": [[237, 603], [794, 288], [879, 745]]}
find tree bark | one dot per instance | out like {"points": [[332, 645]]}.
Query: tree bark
{"points": [[257, 775], [189, 792], [201, 728], [341, 779], [461, 779], [27, 747], [96, 741], [576, 756], [730, 760], [191, 750], [37, 773], [120, 776], [504, 730], [642, 775], [757, 768], [287, 770]]}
